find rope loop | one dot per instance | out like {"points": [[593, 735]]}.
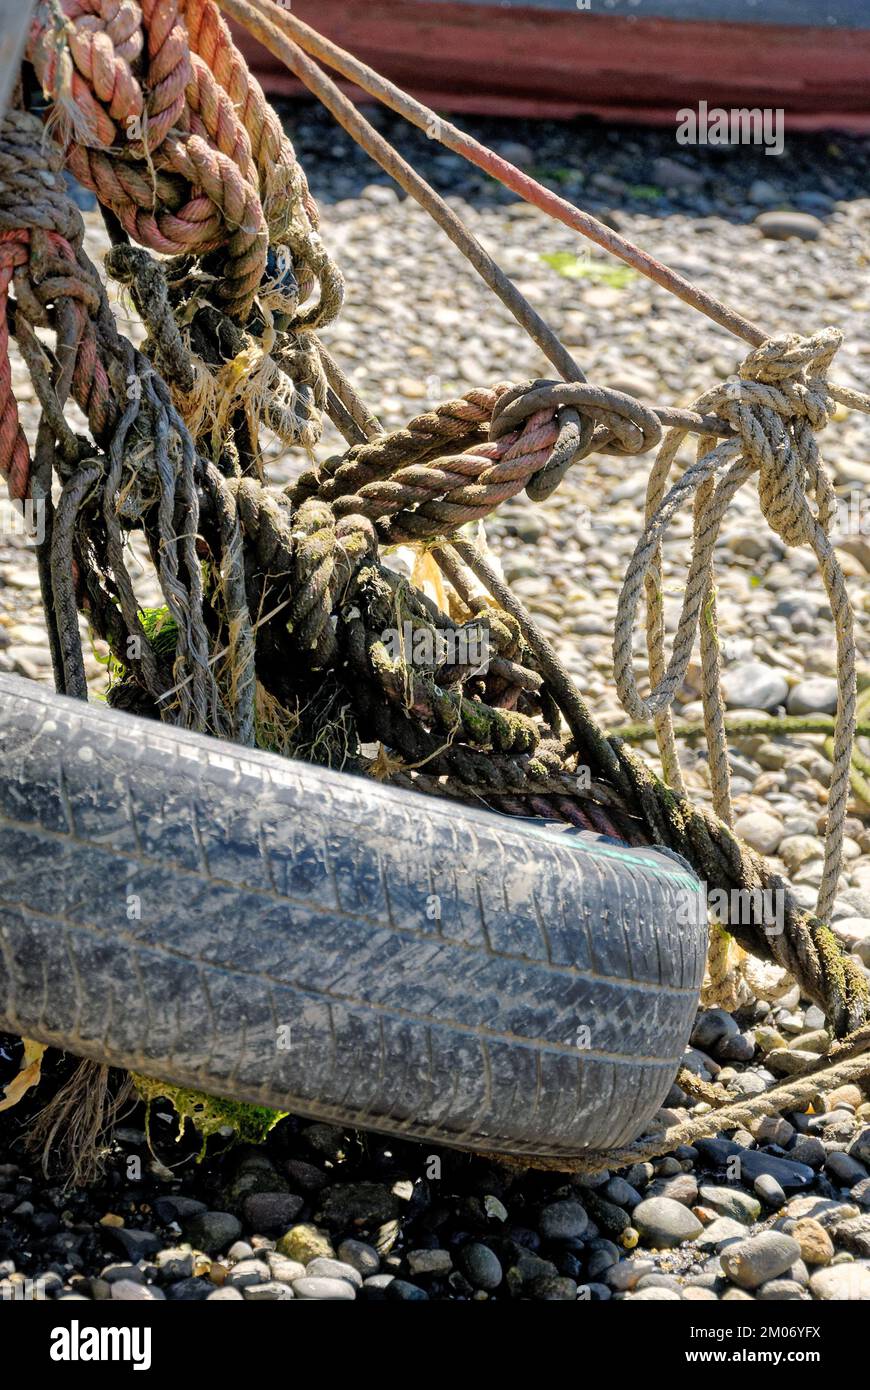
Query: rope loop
{"points": [[625, 425], [781, 399], [163, 121]]}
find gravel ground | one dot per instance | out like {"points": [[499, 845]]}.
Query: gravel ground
{"points": [[781, 1213]]}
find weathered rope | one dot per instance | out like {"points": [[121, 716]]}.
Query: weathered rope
{"points": [[172, 133], [505, 440], [795, 1094], [782, 399], [162, 119], [148, 466]]}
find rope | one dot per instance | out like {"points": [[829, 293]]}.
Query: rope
{"points": [[149, 458], [782, 400], [512, 438], [793, 1095]]}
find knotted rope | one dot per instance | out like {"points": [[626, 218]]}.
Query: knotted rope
{"points": [[782, 399], [163, 121], [513, 439], [171, 131]]}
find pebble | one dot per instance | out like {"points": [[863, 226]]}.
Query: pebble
{"points": [[270, 1291], [683, 1187], [305, 1176], [131, 1291], [563, 1221], [189, 1289], [282, 1269], [789, 1175], [658, 1280], [247, 1272], [337, 1290], [846, 1095], [816, 1245], [653, 1296], [429, 1261], [405, 1292], [622, 1193], [271, 1211], [625, 1275], [305, 1243], [674, 173], [721, 1232], [481, 1265], [845, 1170], [212, 1231], [850, 1282], [360, 1256], [860, 1146], [816, 695], [768, 1189], [603, 1255], [774, 1129], [324, 1268], [665, 1223], [782, 225], [754, 1261], [762, 192], [553, 1289], [761, 830], [139, 1245], [731, 1202], [737, 1047], [177, 1209], [362, 1203], [712, 1025], [111, 1273], [376, 1285], [753, 685], [784, 1290], [239, 1250]]}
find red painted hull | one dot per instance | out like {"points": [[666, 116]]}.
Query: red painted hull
{"points": [[539, 62]]}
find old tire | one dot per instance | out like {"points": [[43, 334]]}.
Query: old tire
{"points": [[278, 933]]}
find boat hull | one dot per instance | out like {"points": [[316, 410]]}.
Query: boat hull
{"points": [[549, 60]]}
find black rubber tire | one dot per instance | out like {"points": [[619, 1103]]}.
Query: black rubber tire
{"points": [[169, 903]]}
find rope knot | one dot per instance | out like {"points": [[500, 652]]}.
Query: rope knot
{"points": [[779, 403], [781, 398], [791, 356]]}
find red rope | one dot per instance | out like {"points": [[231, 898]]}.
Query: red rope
{"points": [[14, 453]]}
